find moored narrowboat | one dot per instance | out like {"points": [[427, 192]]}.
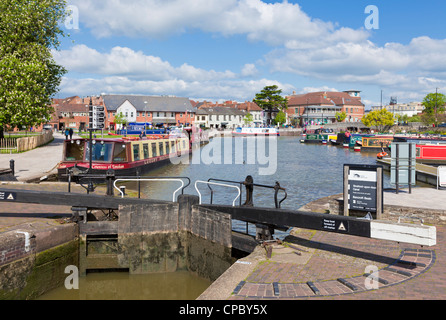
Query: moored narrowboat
{"points": [[126, 156], [434, 154]]}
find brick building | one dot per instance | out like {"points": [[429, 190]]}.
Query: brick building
{"points": [[321, 107]]}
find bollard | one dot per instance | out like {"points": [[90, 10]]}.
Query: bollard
{"points": [[249, 190], [12, 166]]}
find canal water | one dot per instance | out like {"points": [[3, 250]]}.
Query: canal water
{"points": [[180, 285], [307, 171]]}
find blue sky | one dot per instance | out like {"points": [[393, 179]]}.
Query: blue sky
{"points": [[231, 49]]}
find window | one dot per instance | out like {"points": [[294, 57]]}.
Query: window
{"points": [[161, 149], [74, 151], [120, 153], [100, 151], [167, 147], [158, 114], [172, 115], [131, 114], [135, 152], [154, 153], [172, 146], [145, 149]]}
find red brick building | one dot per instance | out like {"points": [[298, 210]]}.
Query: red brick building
{"points": [[321, 107]]}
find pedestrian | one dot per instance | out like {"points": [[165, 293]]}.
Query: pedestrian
{"points": [[71, 133], [67, 132]]}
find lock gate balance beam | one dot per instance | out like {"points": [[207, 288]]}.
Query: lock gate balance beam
{"points": [[376, 229]]}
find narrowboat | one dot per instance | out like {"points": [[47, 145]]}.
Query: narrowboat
{"points": [[376, 142], [246, 131], [434, 154], [127, 156]]}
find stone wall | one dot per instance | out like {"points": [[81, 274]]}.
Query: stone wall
{"points": [[174, 236], [33, 264]]}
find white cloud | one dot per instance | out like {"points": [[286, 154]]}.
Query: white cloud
{"points": [[274, 23], [239, 90], [123, 70], [122, 61]]}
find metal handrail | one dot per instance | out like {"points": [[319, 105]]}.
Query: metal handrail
{"points": [[217, 184], [155, 179], [276, 187]]}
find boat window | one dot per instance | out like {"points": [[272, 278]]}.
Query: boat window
{"points": [[160, 145], [184, 145], [145, 149], [172, 146], [101, 151], [154, 153], [135, 152], [74, 151], [167, 147], [120, 153]]}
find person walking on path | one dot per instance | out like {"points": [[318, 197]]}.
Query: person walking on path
{"points": [[71, 133], [67, 132]]}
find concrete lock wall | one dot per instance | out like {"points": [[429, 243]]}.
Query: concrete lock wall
{"points": [[174, 236]]}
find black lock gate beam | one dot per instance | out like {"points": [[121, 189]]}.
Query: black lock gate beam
{"points": [[90, 201], [361, 227]]}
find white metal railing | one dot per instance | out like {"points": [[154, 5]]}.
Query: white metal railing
{"points": [[8, 145], [217, 184], [163, 179]]}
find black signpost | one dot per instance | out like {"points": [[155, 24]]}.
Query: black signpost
{"points": [[96, 121], [363, 189]]}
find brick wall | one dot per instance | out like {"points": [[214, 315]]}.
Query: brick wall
{"points": [[12, 247]]}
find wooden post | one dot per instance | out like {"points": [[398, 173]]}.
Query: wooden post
{"points": [[346, 169], [379, 193]]}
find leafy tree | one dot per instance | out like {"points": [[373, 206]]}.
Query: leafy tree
{"points": [[280, 118], [29, 76], [433, 104], [414, 118], [269, 99], [121, 119], [248, 119], [379, 118], [340, 116]]}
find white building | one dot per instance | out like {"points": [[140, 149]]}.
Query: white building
{"points": [[410, 109]]}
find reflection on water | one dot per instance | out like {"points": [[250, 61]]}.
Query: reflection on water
{"points": [[123, 286], [307, 171]]}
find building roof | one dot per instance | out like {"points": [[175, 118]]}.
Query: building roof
{"points": [[220, 111], [149, 103], [324, 98]]}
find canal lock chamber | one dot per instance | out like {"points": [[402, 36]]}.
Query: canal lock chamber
{"points": [[159, 238]]}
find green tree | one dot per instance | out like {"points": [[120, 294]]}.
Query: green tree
{"points": [[379, 118], [248, 119], [340, 116], [121, 119], [270, 99], [29, 76], [280, 118], [433, 105]]}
